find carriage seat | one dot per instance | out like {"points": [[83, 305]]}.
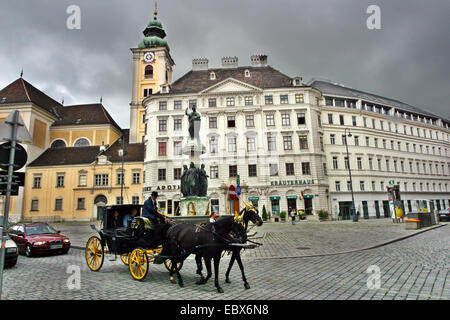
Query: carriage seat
{"points": [[142, 223]]}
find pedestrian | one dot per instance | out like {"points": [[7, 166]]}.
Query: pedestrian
{"points": [[293, 213]]}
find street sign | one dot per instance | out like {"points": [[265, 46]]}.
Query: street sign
{"points": [[232, 192], [22, 132], [391, 181], [20, 156], [238, 190], [238, 180], [18, 180]]}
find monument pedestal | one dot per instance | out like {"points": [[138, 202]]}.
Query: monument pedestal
{"points": [[194, 206]]}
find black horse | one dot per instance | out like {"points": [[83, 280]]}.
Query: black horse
{"points": [[207, 241], [249, 213]]}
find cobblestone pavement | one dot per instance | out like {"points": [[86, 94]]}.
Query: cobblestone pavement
{"points": [[286, 240], [414, 268]]}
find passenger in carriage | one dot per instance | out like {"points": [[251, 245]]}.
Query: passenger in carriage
{"points": [[129, 217], [116, 222]]}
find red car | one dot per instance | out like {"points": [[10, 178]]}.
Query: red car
{"points": [[38, 238]]}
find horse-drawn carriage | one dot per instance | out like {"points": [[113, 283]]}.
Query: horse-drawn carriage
{"points": [[137, 244]]}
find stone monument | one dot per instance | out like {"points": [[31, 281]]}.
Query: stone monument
{"points": [[194, 180]]}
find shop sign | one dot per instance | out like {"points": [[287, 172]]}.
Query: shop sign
{"points": [[253, 198], [168, 187], [308, 196], [291, 182], [291, 197], [275, 198]]}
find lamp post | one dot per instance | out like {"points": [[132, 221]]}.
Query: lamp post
{"points": [[355, 217], [121, 154]]}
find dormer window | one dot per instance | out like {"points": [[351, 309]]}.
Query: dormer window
{"points": [[297, 81], [247, 73], [212, 76]]}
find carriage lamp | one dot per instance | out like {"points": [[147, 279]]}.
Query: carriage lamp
{"points": [[355, 217]]}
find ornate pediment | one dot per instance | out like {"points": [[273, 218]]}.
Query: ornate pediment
{"points": [[230, 85]]}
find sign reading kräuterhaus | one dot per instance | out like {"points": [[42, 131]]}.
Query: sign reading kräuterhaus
{"points": [[291, 182]]}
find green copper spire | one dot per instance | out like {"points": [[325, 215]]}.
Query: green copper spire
{"points": [[154, 34]]}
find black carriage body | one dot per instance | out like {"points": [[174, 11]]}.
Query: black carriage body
{"points": [[121, 240]]}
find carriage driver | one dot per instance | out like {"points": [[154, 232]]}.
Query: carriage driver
{"points": [[151, 211]]}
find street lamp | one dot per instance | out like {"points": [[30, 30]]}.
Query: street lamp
{"points": [[355, 217], [121, 154]]}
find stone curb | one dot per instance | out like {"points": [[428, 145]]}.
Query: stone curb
{"points": [[334, 253], [355, 250]]}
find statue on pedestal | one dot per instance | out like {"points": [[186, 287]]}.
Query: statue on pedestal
{"points": [[194, 123]]}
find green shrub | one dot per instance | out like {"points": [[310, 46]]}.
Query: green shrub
{"points": [[283, 214], [264, 213]]}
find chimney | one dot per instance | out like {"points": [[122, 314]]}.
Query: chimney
{"points": [[199, 64], [259, 60], [229, 62]]}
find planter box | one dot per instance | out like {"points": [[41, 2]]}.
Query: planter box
{"points": [[412, 224]]}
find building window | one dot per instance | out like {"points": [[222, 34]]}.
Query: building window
{"points": [[284, 99], [359, 161], [249, 121], [231, 122], [332, 139], [148, 73], [273, 169], [120, 178], [270, 120], [346, 163], [321, 144], [361, 185], [306, 170], [367, 142], [119, 200], [213, 147], [330, 118], [338, 185], [370, 164], [335, 163], [147, 92], [301, 119], [162, 105], [101, 179], [328, 101], [252, 170], [177, 105], [379, 164], [290, 169], [344, 139], [231, 144], [34, 205], [356, 140], [268, 99], [325, 168], [212, 102], [176, 173], [135, 200], [60, 180], [193, 103], [384, 144], [213, 122], [285, 119], [354, 121], [81, 203], [287, 142], [349, 186], [299, 98], [82, 179], [376, 142], [58, 204], [271, 143], [303, 142], [161, 174], [82, 142], [177, 148], [387, 165], [232, 171], [248, 101], [341, 119], [230, 101], [37, 181], [251, 146], [136, 178], [373, 186], [214, 172], [177, 124], [162, 148], [365, 122], [162, 125]]}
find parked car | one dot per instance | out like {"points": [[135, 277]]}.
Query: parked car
{"points": [[38, 238], [11, 253], [444, 215]]}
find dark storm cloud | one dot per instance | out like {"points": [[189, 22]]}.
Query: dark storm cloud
{"points": [[407, 59]]}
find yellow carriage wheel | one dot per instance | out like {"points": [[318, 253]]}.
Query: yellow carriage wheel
{"points": [[125, 258], [168, 264], [138, 264], [94, 253]]}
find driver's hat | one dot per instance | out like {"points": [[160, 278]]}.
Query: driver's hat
{"points": [[154, 194]]}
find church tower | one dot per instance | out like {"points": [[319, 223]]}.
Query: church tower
{"points": [[152, 68]]}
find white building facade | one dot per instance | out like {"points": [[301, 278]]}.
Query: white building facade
{"points": [[282, 141]]}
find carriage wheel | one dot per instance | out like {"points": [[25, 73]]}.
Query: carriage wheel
{"points": [[94, 253], [138, 264], [168, 264], [125, 258]]}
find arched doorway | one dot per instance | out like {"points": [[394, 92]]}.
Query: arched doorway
{"points": [[99, 202]]}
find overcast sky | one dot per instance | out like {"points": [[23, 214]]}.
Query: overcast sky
{"points": [[408, 59]]}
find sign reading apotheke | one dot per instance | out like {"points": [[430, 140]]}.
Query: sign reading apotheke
{"points": [[167, 187], [291, 182]]}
